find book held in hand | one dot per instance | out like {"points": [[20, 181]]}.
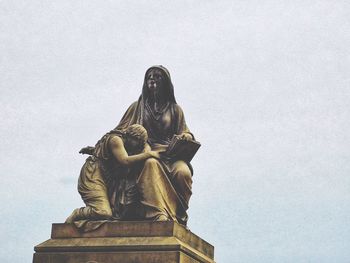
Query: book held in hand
{"points": [[181, 149]]}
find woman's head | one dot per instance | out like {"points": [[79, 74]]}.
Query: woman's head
{"points": [[157, 82]]}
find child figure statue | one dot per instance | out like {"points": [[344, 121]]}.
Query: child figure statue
{"points": [[107, 183]]}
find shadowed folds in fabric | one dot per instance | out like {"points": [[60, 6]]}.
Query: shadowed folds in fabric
{"points": [[165, 185], [150, 190]]}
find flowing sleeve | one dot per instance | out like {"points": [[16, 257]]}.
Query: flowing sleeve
{"points": [[102, 149], [181, 122]]}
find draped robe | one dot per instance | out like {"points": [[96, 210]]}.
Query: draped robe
{"points": [[164, 185]]}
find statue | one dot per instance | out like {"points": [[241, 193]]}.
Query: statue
{"points": [[115, 153], [130, 176], [136, 175]]}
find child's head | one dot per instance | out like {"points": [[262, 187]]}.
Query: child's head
{"points": [[135, 138]]}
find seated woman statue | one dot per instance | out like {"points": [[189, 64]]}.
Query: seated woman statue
{"points": [[164, 185], [109, 168]]}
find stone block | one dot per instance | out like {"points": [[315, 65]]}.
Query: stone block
{"points": [[163, 242]]}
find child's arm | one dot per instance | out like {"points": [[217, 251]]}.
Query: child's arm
{"points": [[147, 148], [119, 152]]}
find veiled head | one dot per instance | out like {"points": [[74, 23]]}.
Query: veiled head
{"points": [[158, 82], [155, 80]]}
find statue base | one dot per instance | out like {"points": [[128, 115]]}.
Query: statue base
{"points": [[124, 242]]}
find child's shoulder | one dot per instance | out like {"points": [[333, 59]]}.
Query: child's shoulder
{"points": [[116, 139]]}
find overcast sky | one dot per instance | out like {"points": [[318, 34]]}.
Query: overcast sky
{"points": [[264, 86]]}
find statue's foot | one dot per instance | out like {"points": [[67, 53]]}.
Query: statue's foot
{"points": [[73, 216]]}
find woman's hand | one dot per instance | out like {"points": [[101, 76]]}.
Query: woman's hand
{"points": [[186, 136], [155, 154]]}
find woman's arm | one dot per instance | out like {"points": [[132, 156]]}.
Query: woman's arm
{"points": [[119, 152]]}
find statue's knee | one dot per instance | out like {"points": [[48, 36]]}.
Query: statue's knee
{"points": [[186, 175], [183, 172]]}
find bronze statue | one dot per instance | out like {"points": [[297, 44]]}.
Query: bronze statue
{"points": [[144, 184], [113, 155]]}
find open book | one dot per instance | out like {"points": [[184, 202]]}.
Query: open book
{"points": [[180, 149]]}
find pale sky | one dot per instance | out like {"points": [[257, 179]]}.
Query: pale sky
{"points": [[264, 86]]}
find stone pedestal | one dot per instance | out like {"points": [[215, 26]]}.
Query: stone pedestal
{"points": [[163, 242]]}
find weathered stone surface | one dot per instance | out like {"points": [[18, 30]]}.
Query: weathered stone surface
{"points": [[124, 242]]}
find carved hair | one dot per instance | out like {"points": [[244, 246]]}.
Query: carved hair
{"points": [[138, 131]]}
